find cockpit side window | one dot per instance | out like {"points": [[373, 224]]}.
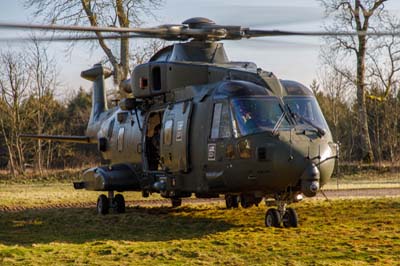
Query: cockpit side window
{"points": [[221, 121]]}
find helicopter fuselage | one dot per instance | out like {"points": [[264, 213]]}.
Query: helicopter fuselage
{"points": [[224, 128]]}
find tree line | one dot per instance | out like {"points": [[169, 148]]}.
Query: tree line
{"points": [[342, 115], [361, 79], [28, 81]]}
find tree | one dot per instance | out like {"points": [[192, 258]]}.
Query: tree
{"points": [[117, 13], [14, 83], [384, 59], [44, 82], [354, 15], [333, 97]]}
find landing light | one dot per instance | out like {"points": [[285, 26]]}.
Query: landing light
{"points": [[298, 197]]}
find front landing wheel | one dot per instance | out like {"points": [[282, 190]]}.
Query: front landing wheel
{"points": [[103, 204], [290, 218], [272, 218]]}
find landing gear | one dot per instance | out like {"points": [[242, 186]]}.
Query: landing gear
{"points": [[272, 218], [231, 201], [246, 201], [176, 202], [104, 203], [290, 218], [281, 216]]}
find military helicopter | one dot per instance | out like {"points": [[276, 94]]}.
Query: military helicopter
{"points": [[201, 124]]}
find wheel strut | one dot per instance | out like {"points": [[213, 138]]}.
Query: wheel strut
{"points": [[104, 203], [286, 216]]}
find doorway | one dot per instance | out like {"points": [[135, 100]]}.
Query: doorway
{"points": [[152, 140]]}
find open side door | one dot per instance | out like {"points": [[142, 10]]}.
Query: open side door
{"points": [[175, 137]]}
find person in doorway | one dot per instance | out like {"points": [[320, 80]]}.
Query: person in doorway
{"points": [[155, 148], [155, 140]]}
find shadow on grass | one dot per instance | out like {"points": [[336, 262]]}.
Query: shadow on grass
{"points": [[79, 225]]}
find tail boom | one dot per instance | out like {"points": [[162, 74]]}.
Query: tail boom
{"points": [[71, 139]]}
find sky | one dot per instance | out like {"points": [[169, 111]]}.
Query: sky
{"points": [[295, 58]]}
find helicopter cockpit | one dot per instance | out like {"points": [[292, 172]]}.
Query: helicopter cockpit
{"points": [[256, 115], [255, 109]]}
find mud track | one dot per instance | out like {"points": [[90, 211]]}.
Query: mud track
{"points": [[330, 194]]}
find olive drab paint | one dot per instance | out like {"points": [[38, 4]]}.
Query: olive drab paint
{"points": [[197, 123]]}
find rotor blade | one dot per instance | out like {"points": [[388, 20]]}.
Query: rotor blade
{"points": [[54, 27], [268, 33], [71, 38], [280, 42], [183, 32]]}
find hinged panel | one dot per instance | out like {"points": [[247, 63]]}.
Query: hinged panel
{"points": [[175, 137]]}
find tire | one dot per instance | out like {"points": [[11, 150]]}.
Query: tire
{"points": [[272, 218], [176, 202], [246, 202], [119, 203], [235, 201], [290, 218], [228, 201], [231, 201], [103, 205]]}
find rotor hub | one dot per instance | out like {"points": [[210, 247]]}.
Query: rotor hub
{"points": [[198, 22]]}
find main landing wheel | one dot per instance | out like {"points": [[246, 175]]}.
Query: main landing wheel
{"points": [[231, 201], [272, 218], [176, 202], [119, 203], [290, 218], [246, 202], [103, 205]]}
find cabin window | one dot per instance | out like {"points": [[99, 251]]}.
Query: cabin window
{"points": [[111, 129], [121, 133], [143, 83], [121, 117], [221, 121], [156, 72], [244, 149], [168, 126], [230, 152]]}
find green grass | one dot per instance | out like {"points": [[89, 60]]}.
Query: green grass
{"points": [[339, 232], [48, 176], [39, 195], [365, 180]]}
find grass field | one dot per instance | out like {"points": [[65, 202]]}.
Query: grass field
{"points": [[339, 232]]}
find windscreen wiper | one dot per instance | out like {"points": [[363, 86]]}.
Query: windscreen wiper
{"points": [[278, 124], [297, 117]]}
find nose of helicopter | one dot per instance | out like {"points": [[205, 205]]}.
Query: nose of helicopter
{"points": [[306, 162], [310, 180], [318, 164]]}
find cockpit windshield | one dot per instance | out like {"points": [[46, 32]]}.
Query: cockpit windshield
{"points": [[307, 109], [255, 115]]}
